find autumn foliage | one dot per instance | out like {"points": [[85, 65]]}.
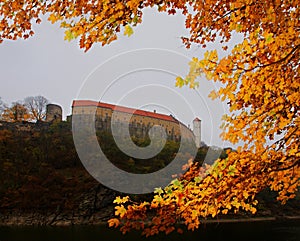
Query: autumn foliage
{"points": [[32, 109], [260, 77]]}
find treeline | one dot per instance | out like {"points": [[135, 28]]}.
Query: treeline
{"points": [[32, 108]]}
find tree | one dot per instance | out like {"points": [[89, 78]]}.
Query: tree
{"points": [[36, 106], [261, 85], [2, 107], [93, 21], [16, 113]]}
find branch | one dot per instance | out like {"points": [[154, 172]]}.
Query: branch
{"points": [[296, 163], [276, 62]]}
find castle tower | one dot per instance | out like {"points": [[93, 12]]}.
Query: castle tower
{"points": [[197, 131], [53, 113]]}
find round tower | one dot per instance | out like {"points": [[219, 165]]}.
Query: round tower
{"points": [[53, 113], [197, 131]]}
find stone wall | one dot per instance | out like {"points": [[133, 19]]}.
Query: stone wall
{"points": [[139, 126], [53, 113]]}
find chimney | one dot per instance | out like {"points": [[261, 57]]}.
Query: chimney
{"points": [[154, 111]]}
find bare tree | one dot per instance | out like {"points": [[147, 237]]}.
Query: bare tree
{"points": [[2, 106], [36, 106]]}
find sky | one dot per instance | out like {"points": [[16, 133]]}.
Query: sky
{"points": [[137, 71]]}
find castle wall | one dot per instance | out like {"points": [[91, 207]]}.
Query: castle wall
{"points": [[139, 125]]}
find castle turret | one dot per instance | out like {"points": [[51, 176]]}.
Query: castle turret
{"points": [[197, 131], [53, 113]]}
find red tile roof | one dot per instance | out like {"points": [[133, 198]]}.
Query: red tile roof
{"points": [[123, 109], [197, 119]]}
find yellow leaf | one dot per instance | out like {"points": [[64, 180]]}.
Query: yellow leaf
{"points": [[179, 82], [52, 18], [128, 30], [213, 95], [120, 200], [120, 211]]}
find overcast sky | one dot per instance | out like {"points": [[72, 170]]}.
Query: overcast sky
{"points": [[138, 71]]}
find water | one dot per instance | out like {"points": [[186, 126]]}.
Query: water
{"points": [[258, 231]]}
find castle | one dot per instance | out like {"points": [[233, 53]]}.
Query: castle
{"points": [[140, 121], [104, 115]]}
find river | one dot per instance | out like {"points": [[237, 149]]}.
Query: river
{"points": [[255, 231]]}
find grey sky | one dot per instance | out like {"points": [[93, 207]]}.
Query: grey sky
{"points": [[47, 65]]}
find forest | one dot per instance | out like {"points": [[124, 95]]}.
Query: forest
{"points": [[40, 169]]}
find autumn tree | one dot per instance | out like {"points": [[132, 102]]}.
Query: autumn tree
{"points": [[260, 83], [36, 106], [16, 113]]}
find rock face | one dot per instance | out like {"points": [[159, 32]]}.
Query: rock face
{"points": [[95, 207]]}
